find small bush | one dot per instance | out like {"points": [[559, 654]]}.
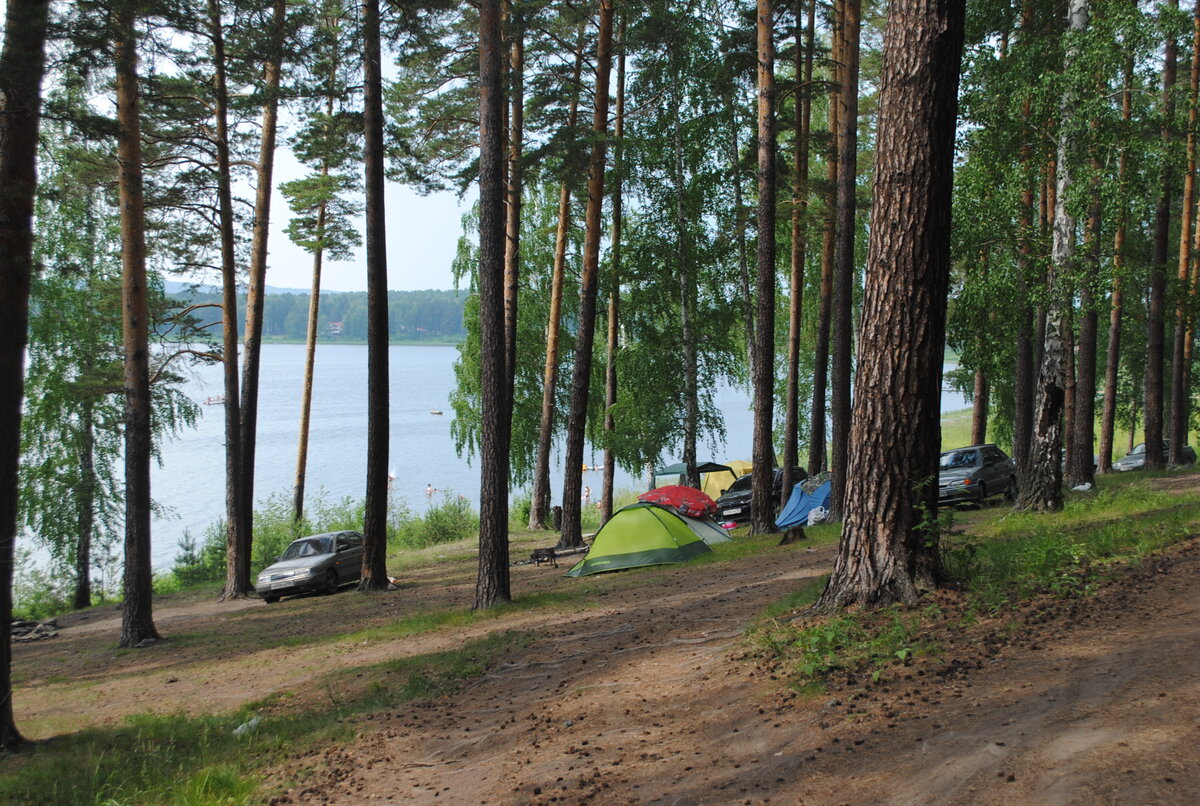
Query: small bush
{"points": [[201, 563], [37, 593], [450, 520]]}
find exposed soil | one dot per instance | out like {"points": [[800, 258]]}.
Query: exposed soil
{"points": [[648, 693]]}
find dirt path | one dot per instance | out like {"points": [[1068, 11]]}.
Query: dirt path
{"points": [[646, 694], [639, 702]]}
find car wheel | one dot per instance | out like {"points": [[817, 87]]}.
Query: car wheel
{"points": [[270, 599], [1010, 493], [331, 582], [982, 493]]}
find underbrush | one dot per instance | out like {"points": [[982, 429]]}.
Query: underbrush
{"points": [[219, 759], [1006, 559], [446, 521]]}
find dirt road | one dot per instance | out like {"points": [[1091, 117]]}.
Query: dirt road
{"points": [[1094, 701]]}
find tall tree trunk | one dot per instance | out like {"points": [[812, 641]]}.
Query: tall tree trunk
{"points": [[137, 621], [843, 286], [539, 505], [22, 64], [1152, 406], [1042, 488], [1080, 462], [237, 554], [1180, 390], [739, 226], [252, 359], [687, 304], [572, 535], [614, 291], [492, 582], [791, 428], [762, 504], [374, 567], [817, 456], [1023, 370], [979, 408], [310, 357], [888, 552], [86, 516], [512, 242], [1068, 415], [314, 309]]}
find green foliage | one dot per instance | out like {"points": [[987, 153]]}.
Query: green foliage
{"points": [[38, 593], [1001, 559], [1058, 553], [448, 521], [847, 643]]}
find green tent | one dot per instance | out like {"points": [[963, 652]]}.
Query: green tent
{"points": [[640, 534]]}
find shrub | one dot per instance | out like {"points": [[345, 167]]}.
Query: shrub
{"points": [[446, 522]]}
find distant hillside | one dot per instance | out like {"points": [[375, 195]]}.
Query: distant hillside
{"points": [[412, 315]]}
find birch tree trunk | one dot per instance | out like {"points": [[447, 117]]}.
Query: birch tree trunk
{"points": [[1041, 489]]}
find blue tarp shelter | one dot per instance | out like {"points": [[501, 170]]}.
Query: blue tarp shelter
{"points": [[795, 511]]}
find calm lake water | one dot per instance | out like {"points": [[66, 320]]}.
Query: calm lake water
{"points": [[189, 484]]}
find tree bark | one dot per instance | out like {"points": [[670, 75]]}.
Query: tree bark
{"points": [[86, 516], [889, 546], [539, 505], [791, 428], [1041, 490], [1152, 406], [817, 456], [374, 567], [843, 286], [1180, 388], [255, 293], [310, 357], [614, 291], [979, 408], [512, 241], [572, 535], [687, 304], [492, 582], [762, 504], [22, 65], [1080, 463], [237, 554], [137, 622]]}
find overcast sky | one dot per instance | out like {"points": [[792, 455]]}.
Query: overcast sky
{"points": [[422, 236]]}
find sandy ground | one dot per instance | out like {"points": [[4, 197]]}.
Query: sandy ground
{"points": [[650, 693]]}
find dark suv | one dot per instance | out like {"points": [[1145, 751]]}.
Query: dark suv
{"points": [[734, 505], [974, 474]]}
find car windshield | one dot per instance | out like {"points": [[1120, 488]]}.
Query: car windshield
{"points": [[1138, 449], [741, 485], [307, 547], [955, 459]]}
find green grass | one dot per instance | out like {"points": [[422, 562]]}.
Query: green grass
{"points": [[1001, 558], [193, 760]]}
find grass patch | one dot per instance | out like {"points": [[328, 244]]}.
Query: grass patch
{"points": [[1001, 559], [201, 760]]}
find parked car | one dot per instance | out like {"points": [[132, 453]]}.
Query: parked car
{"points": [[321, 562], [1136, 458], [975, 474], [734, 504]]}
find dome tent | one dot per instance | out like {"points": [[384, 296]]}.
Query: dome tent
{"points": [[637, 535], [800, 503]]}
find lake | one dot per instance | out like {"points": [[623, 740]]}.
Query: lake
{"points": [[189, 483]]}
